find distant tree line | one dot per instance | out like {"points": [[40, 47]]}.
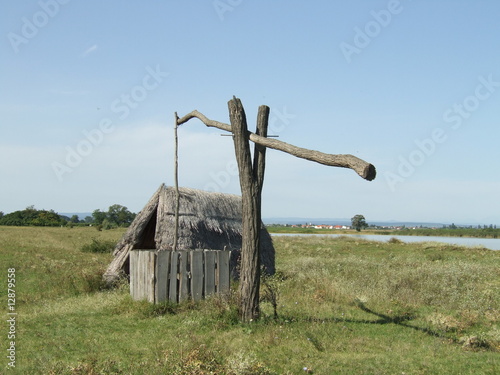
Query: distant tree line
{"points": [[480, 231], [116, 216], [453, 226], [32, 216]]}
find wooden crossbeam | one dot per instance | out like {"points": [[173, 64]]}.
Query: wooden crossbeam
{"points": [[361, 167]]}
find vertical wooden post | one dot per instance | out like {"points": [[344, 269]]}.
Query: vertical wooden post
{"points": [[174, 276], [259, 165], [162, 275], [197, 279], [183, 275], [209, 268], [251, 179], [223, 271], [259, 157], [176, 182]]}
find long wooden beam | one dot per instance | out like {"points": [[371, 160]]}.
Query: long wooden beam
{"points": [[361, 167]]}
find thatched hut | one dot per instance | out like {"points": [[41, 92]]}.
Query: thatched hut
{"points": [[206, 221]]}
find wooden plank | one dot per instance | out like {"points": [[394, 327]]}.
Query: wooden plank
{"points": [[140, 276], [150, 269], [184, 276], [209, 272], [196, 274], [174, 269], [139, 284], [223, 271], [133, 274], [162, 276]]}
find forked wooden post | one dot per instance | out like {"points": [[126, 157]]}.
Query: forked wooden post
{"points": [[251, 182]]}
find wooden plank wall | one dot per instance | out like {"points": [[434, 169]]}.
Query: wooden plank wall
{"points": [[157, 276], [209, 268], [223, 271], [142, 275], [162, 270], [197, 275]]}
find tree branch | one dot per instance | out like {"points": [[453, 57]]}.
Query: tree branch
{"points": [[205, 120], [361, 167], [259, 154]]}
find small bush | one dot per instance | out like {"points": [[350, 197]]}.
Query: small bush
{"points": [[395, 240], [94, 282], [444, 323], [475, 342], [151, 310], [224, 308], [272, 285], [246, 364], [98, 246], [200, 361], [107, 225]]}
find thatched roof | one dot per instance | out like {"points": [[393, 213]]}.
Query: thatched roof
{"points": [[206, 221]]}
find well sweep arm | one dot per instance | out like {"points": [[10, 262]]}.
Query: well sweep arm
{"points": [[361, 167]]}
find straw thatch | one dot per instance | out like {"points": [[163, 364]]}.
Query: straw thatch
{"points": [[206, 221]]}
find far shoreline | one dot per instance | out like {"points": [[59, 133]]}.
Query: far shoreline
{"points": [[425, 232]]}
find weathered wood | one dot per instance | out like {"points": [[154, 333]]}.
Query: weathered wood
{"points": [[251, 182], [176, 183], [209, 217], [133, 273], [157, 276], [151, 268], [223, 271], [174, 274], [259, 158], [131, 239], [250, 262], [209, 272], [196, 275], [183, 276], [162, 275], [142, 281], [114, 270], [361, 167]]}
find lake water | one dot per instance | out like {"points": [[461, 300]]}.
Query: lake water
{"points": [[489, 243]]}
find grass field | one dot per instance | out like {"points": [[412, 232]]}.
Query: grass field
{"points": [[345, 306]]}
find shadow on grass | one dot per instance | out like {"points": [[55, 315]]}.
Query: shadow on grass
{"points": [[401, 320]]}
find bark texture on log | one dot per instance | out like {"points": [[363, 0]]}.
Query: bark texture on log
{"points": [[361, 167], [259, 156], [250, 264]]}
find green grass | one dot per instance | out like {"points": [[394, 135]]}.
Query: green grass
{"points": [[345, 306]]}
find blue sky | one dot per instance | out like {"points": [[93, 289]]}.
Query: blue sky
{"points": [[89, 90]]}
